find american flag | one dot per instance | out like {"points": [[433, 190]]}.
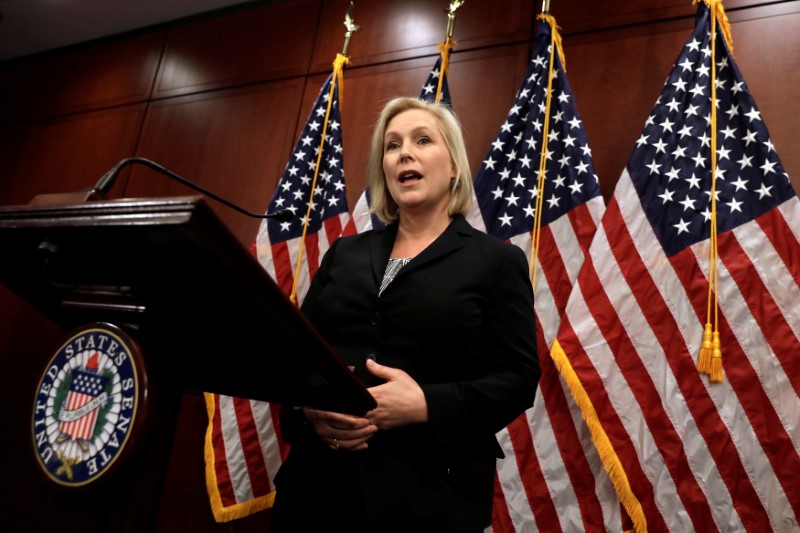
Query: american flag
{"points": [[278, 244], [81, 407], [243, 450], [428, 92], [690, 455], [362, 219], [552, 478]]}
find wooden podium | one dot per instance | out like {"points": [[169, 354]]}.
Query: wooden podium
{"points": [[203, 312]]}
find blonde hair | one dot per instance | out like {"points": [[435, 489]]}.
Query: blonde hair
{"points": [[382, 203]]}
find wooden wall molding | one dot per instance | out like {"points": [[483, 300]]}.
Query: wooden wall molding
{"points": [[109, 73], [253, 45]]}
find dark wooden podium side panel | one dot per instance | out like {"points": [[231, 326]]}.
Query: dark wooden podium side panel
{"points": [[25, 336], [28, 502]]}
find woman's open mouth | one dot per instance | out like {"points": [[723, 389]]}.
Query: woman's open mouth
{"points": [[409, 176]]}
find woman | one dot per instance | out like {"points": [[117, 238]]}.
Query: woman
{"points": [[437, 320]]}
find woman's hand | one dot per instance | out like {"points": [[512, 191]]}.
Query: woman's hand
{"points": [[400, 400], [340, 431]]}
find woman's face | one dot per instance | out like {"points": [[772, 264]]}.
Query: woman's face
{"points": [[416, 162]]}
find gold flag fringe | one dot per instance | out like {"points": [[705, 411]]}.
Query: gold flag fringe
{"points": [[611, 462], [220, 512]]}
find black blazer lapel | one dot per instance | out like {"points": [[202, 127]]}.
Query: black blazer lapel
{"points": [[380, 248], [448, 242]]}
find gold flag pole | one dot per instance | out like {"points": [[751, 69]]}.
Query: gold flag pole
{"points": [[351, 27], [444, 49], [338, 79], [451, 16], [546, 6]]}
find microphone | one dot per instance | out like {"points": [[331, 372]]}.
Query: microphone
{"points": [[106, 181]]}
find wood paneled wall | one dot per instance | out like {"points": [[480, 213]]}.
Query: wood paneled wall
{"points": [[220, 100]]}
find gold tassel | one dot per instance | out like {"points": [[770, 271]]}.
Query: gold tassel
{"points": [[704, 361], [551, 21], [722, 19], [716, 375], [338, 69], [444, 52]]}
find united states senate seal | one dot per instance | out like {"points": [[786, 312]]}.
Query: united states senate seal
{"points": [[87, 404]]}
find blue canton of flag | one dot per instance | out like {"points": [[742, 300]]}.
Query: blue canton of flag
{"points": [[294, 188], [670, 166], [428, 91], [88, 383], [506, 184]]}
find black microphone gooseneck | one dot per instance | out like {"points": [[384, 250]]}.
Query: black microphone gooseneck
{"points": [[105, 183]]}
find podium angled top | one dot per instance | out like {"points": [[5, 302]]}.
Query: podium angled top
{"points": [[171, 272]]}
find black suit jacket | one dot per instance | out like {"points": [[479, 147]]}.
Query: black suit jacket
{"points": [[459, 319]]}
